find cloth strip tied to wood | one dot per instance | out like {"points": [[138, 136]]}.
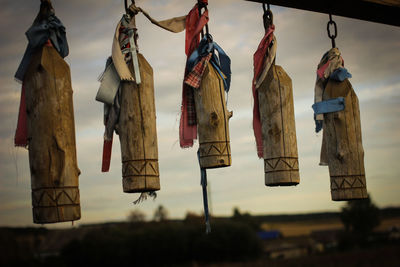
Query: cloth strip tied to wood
{"points": [[331, 66], [263, 59], [188, 124], [41, 32], [117, 70]]}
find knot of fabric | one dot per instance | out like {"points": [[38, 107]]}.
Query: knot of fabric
{"points": [[38, 34], [127, 33], [331, 66], [198, 60], [194, 23], [203, 2], [134, 9]]}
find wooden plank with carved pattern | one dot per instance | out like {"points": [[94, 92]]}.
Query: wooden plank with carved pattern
{"points": [[213, 121], [276, 107], [51, 136], [138, 133], [344, 150]]}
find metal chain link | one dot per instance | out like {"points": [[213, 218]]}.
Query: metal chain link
{"points": [[267, 17], [328, 28]]}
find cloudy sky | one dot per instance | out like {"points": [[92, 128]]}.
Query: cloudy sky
{"points": [[371, 54]]}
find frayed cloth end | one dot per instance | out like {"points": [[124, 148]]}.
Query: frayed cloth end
{"points": [[21, 145], [143, 196]]}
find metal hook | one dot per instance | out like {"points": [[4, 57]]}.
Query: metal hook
{"points": [[265, 10], [328, 28], [127, 7], [267, 17]]}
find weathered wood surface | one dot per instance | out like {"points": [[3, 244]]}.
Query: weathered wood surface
{"points": [[138, 133], [213, 121], [51, 137], [344, 150], [278, 127]]}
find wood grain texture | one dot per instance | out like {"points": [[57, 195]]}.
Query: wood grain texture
{"points": [[213, 121], [51, 137], [138, 133], [344, 150], [278, 129]]}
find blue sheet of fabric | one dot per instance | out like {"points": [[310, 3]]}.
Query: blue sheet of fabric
{"points": [[328, 106], [38, 34], [203, 183], [222, 62], [340, 75]]}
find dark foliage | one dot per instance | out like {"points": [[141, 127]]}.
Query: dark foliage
{"points": [[163, 244], [359, 217]]}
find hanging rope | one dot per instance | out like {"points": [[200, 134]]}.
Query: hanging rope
{"points": [[203, 183], [328, 28]]}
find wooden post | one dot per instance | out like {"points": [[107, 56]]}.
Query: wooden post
{"points": [[212, 120], [278, 129], [138, 134], [51, 137], [344, 150]]}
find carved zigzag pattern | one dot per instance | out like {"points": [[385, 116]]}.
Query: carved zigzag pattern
{"points": [[140, 167], [280, 164], [50, 197], [347, 182], [214, 149]]}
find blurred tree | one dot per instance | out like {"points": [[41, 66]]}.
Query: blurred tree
{"points": [[193, 217], [246, 218], [359, 217], [136, 216], [161, 214]]}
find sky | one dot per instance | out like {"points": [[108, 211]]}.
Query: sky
{"points": [[371, 54]]}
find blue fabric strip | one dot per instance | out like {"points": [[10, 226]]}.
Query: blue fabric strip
{"points": [[327, 106], [318, 125], [220, 74], [221, 63], [203, 183], [38, 34], [340, 75], [225, 65]]}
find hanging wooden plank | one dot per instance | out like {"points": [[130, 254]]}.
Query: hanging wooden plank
{"points": [[212, 118], [138, 133], [51, 135], [343, 144], [380, 11], [276, 107]]}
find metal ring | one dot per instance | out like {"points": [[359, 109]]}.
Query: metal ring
{"points": [[268, 19], [265, 9], [328, 28]]}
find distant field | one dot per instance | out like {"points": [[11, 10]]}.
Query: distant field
{"points": [[290, 229]]}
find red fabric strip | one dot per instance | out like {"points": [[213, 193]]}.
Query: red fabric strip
{"points": [[321, 70], [259, 57], [21, 134], [194, 25], [107, 148]]}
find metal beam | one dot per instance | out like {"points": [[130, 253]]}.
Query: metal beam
{"points": [[380, 11]]}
